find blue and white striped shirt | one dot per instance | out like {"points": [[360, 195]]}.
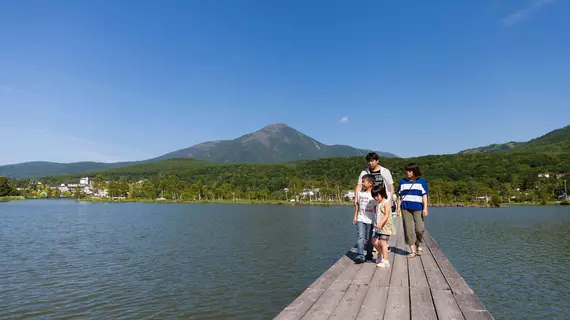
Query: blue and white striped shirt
{"points": [[412, 192]]}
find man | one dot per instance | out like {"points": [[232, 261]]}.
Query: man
{"points": [[383, 176]]}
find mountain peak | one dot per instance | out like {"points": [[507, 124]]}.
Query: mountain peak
{"points": [[275, 127]]}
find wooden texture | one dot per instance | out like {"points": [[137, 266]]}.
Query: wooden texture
{"points": [[424, 287], [374, 304], [306, 300], [435, 278], [421, 303], [445, 305], [472, 307], [328, 301]]}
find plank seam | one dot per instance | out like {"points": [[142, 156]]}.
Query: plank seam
{"points": [[446, 280]]}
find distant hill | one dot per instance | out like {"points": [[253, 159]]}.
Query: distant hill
{"points": [[36, 169], [271, 144], [492, 148], [554, 141]]}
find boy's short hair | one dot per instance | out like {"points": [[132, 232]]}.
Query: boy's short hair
{"points": [[415, 168], [369, 177], [372, 156], [379, 190]]}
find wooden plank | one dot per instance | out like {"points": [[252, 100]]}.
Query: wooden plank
{"points": [[382, 276], [374, 304], [421, 304], [429, 241], [350, 304], [399, 268], [435, 278], [456, 282], [303, 303], [445, 305], [398, 304], [472, 307], [364, 276], [416, 273], [399, 277], [328, 301]]}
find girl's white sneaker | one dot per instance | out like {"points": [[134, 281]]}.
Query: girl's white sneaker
{"points": [[383, 264]]}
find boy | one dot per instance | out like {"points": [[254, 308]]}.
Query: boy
{"points": [[363, 219], [383, 224]]}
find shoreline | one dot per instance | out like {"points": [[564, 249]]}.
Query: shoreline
{"points": [[12, 198], [273, 202]]}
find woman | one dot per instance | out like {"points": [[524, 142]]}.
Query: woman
{"points": [[412, 206]]}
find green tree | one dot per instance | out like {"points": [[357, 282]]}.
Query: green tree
{"points": [[98, 181], [5, 187], [149, 190], [495, 200]]}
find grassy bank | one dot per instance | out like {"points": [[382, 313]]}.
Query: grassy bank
{"points": [[11, 198], [282, 202]]}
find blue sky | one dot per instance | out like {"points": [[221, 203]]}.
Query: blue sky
{"points": [[128, 80]]}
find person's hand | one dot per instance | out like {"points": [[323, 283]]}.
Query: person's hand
{"points": [[399, 212], [354, 221], [425, 212]]}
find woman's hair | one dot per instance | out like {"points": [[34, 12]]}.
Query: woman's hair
{"points": [[379, 190], [414, 168]]}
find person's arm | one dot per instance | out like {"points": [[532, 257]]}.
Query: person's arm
{"points": [[399, 202], [355, 218], [356, 191], [386, 215], [425, 199], [398, 206], [389, 180], [358, 187]]}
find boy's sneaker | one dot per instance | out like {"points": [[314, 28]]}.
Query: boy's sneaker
{"points": [[384, 264], [359, 260]]}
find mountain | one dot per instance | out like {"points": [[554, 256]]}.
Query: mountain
{"points": [[492, 148], [36, 169], [271, 144], [554, 141]]}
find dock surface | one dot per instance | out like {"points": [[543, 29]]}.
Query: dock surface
{"points": [[424, 287]]}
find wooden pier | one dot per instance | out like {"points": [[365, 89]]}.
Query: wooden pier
{"points": [[425, 287]]}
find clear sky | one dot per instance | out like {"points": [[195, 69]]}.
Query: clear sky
{"points": [[128, 80]]}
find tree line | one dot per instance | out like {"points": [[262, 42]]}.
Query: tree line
{"points": [[451, 178]]}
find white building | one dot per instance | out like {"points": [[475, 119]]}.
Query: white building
{"points": [[85, 181], [348, 194]]}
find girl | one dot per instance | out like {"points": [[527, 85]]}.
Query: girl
{"points": [[383, 226], [413, 205]]}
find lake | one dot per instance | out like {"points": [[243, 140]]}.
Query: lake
{"points": [[214, 261]]}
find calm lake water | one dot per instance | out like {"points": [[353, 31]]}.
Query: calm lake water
{"points": [[210, 261]]}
